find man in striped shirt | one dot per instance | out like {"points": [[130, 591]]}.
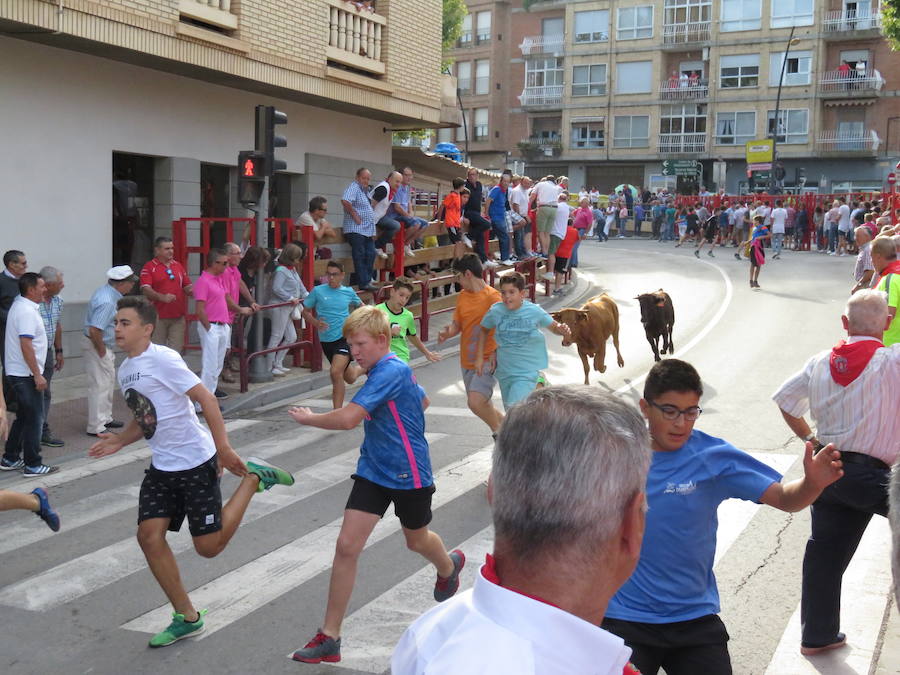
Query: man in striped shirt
{"points": [[51, 310], [359, 228], [851, 392]]}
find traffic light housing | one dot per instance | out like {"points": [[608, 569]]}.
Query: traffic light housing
{"points": [[251, 177], [267, 118]]}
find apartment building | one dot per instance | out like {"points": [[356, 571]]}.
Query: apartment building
{"points": [[123, 115], [605, 90]]}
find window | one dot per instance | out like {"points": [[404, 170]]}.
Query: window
{"points": [[482, 76], [464, 77], [739, 70], [480, 117], [587, 133], [634, 77], [741, 15], [793, 125], [553, 28], [445, 135], [683, 118], [796, 71], [631, 131], [592, 26], [735, 128], [634, 23], [465, 36], [589, 80], [792, 13], [482, 27], [687, 11], [544, 71]]}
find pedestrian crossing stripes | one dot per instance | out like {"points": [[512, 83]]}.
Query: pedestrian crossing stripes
{"points": [[83, 468], [443, 411], [229, 597]]}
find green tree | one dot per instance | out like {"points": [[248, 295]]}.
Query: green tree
{"points": [[890, 22]]}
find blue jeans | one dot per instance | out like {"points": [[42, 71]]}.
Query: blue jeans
{"points": [[362, 250], [385, 229], [48, 375], [573, 261], [25, 433], [832, 237], [519, 241], [777, 242], [637, 226], [668, 231], [502, 234]]}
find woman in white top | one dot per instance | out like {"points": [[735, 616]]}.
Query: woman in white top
{"points": [[286, 287]]}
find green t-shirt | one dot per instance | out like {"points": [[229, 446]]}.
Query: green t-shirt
{"points": [[892, 334], [407, 324]]}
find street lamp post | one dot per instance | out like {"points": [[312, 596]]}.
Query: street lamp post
{"points": [[791, 41]]}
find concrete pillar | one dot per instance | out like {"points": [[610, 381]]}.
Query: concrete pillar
{"points": [[176, 194]]}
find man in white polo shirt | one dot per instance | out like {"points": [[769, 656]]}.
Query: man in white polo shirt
{"points": [[546, 194], [564, 542], [25, 350]]}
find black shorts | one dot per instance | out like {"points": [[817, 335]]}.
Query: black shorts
{"points": [[692, 229], [412, 507], [339, 346], [454, 235], [682, 647], [193, 493], [710, 233], [561, 265]]}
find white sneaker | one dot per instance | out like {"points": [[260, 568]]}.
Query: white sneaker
{"points": [[489, 263], [508, 261], [841, 255], [380, 253], [549, 276], [408, 252], [467, 241], [278, 372]]}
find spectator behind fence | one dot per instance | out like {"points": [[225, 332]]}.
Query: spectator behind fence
{"points": [[51, 310], [564, 542], [402, 210], [359, 229], [166, 284], [286, 287]]}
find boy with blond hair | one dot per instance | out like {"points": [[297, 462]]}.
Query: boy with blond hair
{"points": [[403, 323], [394, 466]]}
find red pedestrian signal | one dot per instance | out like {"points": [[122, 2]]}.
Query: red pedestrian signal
{"points": [[250, 168], [251, 177]]}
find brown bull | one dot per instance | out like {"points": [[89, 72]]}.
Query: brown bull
{"points": [[591, 327]]}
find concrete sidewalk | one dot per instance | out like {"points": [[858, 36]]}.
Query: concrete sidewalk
{"points": [[68, 411]]}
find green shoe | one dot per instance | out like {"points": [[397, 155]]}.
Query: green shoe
{"points": [[178, 629], [269, 474]]}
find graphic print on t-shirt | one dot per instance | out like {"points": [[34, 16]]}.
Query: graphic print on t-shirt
{"points": [[143, 410]]}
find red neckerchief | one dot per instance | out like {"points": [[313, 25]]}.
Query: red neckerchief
{"points": [[489, 572], [892, 268], [848, 360]]}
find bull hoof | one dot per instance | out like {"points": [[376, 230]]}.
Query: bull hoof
{"points": [[602, 369], [656, 357], [621, 363]]}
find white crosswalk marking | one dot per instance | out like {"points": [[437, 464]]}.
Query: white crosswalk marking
{"points": [[443, 411], [373, 630], [92, 571], [736, 514], [229, 598], [83, 468], [864, 596]]}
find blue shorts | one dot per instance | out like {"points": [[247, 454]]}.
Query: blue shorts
{"points": [[515, 388]]}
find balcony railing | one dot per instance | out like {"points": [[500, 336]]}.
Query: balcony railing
{"points": [[543, 141], [851, 82], [542, 96], [542, 44], [465, 39], [839, 21], [686, 33], [212, 12], [684, 143], [866, 141], [540, 146], [683, 90], [354, 38]]}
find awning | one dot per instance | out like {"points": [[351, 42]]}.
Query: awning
{"points": [[847, 102], [434, 171]]}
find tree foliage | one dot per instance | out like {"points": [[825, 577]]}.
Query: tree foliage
{"points": [[890, 22], [454, 13]]}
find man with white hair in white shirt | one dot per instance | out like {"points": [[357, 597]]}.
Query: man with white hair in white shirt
{"points": [[851, 392], [564, 542]]}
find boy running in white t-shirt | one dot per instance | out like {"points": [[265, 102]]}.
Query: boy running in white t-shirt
{"points": [[183, 478]]}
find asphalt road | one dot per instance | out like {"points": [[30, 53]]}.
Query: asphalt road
{"points": [[83, 601]]}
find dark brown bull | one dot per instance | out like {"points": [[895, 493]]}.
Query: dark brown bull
{"points": [[658, 317], [591, 327]]}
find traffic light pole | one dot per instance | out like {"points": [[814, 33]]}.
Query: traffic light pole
{"points": [[258, 370]]}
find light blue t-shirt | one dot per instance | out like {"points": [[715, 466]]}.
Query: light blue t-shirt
{"points": [[674, 578], [332, 305], [394, 451], [521, 347]]}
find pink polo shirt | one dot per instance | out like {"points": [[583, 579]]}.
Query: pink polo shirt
{"points": [[231, 282], [210, 289]]}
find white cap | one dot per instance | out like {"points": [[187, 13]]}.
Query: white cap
{"points": [[121, 273]]}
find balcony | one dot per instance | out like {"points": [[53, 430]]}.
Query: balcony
{"points": [[540, 146], [354, 38], [465, 39], [682, 143], [537, 97], [683, 90], [451, 115], [542, 44], [850, 84], [213, 12], [692, 32], [848, 24], [864, 142]]}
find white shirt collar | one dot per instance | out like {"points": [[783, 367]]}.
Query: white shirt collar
{"points": [[9, 274], [32, 303], [587, 648]]}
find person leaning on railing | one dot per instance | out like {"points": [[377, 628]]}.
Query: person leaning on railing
{"points": [[287, 287]]}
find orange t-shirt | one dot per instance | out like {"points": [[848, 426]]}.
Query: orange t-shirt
{"points": [[452, 209], [470, 310]]}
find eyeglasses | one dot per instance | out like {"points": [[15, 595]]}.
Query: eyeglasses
{"points": [[670, 412], [333, 274]]}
